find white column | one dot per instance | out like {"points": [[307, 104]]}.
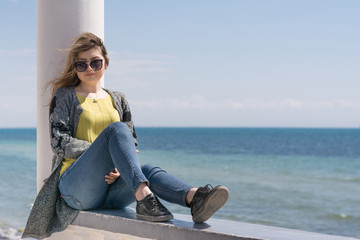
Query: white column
{"points": [[58, 23]]}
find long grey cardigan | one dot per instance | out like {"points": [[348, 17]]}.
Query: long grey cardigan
{"points": [[50, 213]]}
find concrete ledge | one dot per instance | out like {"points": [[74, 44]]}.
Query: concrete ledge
{"points": [[124, 223]]}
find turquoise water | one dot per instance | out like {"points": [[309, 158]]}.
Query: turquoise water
{"points": [[305, 179], [17, 179]]}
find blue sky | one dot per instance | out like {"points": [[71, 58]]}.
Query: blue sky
{"points": [[243, 63]]}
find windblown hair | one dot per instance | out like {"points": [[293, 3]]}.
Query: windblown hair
{"points": [[81, 43]]}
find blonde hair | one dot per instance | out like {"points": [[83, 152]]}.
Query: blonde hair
{"points": [[81, 43]]}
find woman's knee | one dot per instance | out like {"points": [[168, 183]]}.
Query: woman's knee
{"points": [[146, 168], [119, 128], [149, 170], [117, 125]]}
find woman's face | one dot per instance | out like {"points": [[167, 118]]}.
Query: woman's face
{"points": [[90, 75]]}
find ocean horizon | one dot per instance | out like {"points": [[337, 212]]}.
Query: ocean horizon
{"points": [[297, 178]]}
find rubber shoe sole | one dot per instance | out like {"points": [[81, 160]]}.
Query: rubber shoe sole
{"points": [[214, 201], [155, 218]]}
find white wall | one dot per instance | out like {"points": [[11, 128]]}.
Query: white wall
{"points": [[58, 23]]}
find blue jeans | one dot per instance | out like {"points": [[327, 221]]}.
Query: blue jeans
{"points": [[83, 185]]}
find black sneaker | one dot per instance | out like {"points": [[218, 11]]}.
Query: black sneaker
{"points": [[207, 200], [151, 209]]}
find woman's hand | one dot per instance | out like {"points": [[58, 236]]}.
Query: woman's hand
{"points": [[112, 176]]}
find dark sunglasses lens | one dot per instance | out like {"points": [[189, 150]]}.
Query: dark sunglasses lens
{"points": [[81, 66], [96, 64]]}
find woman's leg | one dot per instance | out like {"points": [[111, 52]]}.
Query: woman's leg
{"points": [[203, 201], [165, 185], [83, 184], [119, 195]]}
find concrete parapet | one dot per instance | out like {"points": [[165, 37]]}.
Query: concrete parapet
{"points": [[122, 224]]}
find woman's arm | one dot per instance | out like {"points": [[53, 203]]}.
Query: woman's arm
{"points": [[127, 117], [63, 143]]}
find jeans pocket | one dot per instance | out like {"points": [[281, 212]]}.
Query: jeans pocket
{"points": [[73, 202]]}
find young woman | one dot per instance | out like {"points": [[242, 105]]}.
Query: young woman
{"points": [[95, 163]]}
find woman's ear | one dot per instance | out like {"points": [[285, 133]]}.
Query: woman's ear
{"points": [[107, 63]]}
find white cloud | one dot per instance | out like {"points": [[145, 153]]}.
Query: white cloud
{"points": [[194, 102], [121, 64], [348, 103], [294, 104], [122, 67], [19, 109], [17, 52], [129, 54], [201, 103], [127, 83]]}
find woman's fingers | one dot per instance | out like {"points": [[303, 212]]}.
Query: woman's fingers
{"points": [[109, 180], [112, 176]]}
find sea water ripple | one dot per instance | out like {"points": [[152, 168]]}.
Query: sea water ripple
{"points": [[305, 179]]}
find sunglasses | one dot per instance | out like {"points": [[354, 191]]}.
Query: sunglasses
{"points": [[94, 64]]}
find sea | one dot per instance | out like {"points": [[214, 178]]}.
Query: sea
{"points": [[298, 178]]}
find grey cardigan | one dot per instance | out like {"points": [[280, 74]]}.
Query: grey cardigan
{"points": [[50, 213]]}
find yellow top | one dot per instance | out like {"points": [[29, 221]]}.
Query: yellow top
{"points": [[96, 116]]}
